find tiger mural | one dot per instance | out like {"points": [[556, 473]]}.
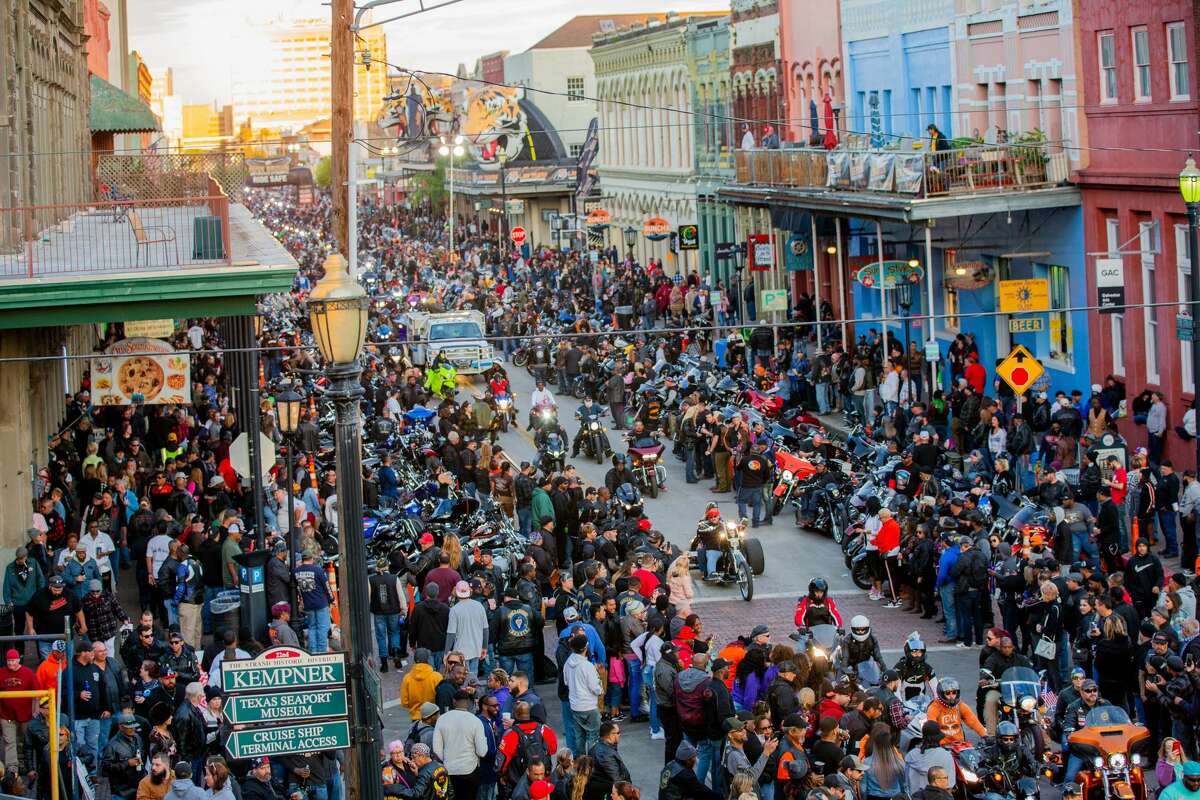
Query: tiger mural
{"points": [[494, 120]]}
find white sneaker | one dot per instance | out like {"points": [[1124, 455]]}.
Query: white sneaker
{"points": [[659, 734], [894, 605]]}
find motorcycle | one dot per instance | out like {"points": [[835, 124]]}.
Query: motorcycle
{"points": [[821, 644], [1111, 747], [741, 557], [506, 415], [552, 455], [594, 443], [644, 457], [441, 381], [790, 471], [767, 403], [543, 417], [1021, 703]]}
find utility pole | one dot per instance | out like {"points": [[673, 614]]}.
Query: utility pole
{"points": [[341, 41]]}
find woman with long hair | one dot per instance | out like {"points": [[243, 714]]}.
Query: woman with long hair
{"points": [[750, 679], [1114, 655], [583, 772], [884, 777], [453, 548]]}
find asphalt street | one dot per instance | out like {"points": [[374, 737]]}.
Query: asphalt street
{"points": [[793, 558]]}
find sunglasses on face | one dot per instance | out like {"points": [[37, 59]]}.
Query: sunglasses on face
{"points": [[1090, 691]]}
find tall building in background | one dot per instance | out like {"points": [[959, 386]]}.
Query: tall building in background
{"points": [[295, 89], [168, 106]]}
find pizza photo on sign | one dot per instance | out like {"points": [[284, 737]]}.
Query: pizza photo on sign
{"points": [[141, 370]]}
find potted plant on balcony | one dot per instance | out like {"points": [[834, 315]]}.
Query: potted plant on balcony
{"points": [[1030, 155]]}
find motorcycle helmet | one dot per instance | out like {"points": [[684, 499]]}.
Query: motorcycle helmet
{"points": [[948, 692], [860, 628], [818, 586], [1006, 737], [914, 649], [618, 460]]}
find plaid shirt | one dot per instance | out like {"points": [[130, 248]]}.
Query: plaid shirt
{"points": [[104, 616]]}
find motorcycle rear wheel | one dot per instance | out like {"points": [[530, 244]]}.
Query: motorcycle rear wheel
{"points": [[520, 358]]}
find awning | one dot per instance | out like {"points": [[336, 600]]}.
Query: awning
{"points": [[114, 111]]}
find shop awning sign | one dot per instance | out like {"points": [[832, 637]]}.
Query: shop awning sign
{"points": [[1110, 284]]}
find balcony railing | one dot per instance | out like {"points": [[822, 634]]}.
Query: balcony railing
{"points": [[974, 170], [111, 236]]}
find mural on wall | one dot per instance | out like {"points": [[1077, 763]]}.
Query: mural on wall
{"points": [[416, 114]]}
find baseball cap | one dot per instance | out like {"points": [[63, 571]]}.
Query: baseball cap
{"points": [[12, 653], [685, 751], [539, 790], [1191, 769], [462, 589], [795, 721], [570, 614], [890, 675], [720, 663], [759, 630], [128, 720], [426, 538], [1088, 683], [94, 585], [734, 724], [852, 762], [428, 710]]}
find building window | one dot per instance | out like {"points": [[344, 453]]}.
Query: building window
{"points": [[1107, 48], [1183, 271], [1141, 63], [1149, 298], [1112, 231], [1177, 52], [575, 88], [1061, 348], [576, 149]]}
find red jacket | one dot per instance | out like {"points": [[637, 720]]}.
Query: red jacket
{"points": [[976, 375], [22, 680], [888, 538]]}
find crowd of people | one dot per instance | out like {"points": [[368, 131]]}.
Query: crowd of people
{"points": [[140, 519]]}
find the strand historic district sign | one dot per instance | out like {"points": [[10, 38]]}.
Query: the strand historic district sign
{"points": [[286, 685]]}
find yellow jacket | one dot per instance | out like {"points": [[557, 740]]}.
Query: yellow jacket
{"points": [[418, 687]]}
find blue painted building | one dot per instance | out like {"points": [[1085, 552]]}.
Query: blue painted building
{"points": [[971, 255], [899, 67]]}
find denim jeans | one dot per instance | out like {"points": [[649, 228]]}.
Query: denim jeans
{"points": [[522, 662], [689, 465], [1166, 523], [568, 724], [87, 737], [1082, 545], [387, 634], [708, 560], [949, 610], [751, 496], [587, 729], [709, 758], [318, 630], [106, 725], [172, 612], [970, 625], [651, 698], [633, 680], [822, 398], [316, 792], [525, 519]]}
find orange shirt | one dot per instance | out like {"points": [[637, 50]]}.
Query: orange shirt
{"points": [[952, 720]]}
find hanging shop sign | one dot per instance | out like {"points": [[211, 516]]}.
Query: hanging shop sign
{"points": [[894, 272], [656, 229], [762, 253], [599, 218], [1024, 296], [1110, 284], [141, 370], [968, 276]]}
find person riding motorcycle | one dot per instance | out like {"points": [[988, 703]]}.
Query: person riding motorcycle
{"points": [[642, 435], [711, 543], [951, 714], [859, 647], [440, 377], [589, 412], [1003, 657], [1005, 755], [817, 607], [541, 398], [1076, 719], [912, 666], [650, 412], [545, 430], [816, 487], [619, 473]]}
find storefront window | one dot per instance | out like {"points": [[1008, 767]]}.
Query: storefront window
{"points": [[1061, 348]]}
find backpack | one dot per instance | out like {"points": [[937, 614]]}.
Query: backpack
{"points": [[691, 705], [531, 747]]}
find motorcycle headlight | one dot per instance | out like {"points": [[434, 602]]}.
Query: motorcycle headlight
{"points": [[787, 476], [1136, 760], [1028, 703], [595, 426], [1117, 761], [503, 404], [818, 653], [545, 413], [1098, 762], [969, 776]]}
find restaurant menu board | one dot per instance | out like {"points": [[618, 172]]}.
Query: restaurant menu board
{"points": [[141, 370]]}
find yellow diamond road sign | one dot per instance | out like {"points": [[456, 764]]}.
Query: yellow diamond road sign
{"points": [[1020, 370]]}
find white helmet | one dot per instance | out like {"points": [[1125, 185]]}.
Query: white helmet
{"points": [[860, 628]]}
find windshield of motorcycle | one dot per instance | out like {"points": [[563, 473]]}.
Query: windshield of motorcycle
{"points": [[1106, 715], [824, 635], [1018, 682], [1029, 515]]}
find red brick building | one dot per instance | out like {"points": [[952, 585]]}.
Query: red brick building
{"points": [[1140, 89]]}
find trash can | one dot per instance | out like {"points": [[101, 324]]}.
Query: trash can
{"points": [[226, 611]]}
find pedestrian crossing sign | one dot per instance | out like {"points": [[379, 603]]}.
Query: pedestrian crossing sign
{"points": [[1020, 370]]}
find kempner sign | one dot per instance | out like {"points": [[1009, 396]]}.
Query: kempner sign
{"points": [[289, 673]]}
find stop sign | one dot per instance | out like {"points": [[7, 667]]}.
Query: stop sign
{"points": [[518, 235]]}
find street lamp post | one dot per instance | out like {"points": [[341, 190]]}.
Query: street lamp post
{"points": [[338, 308], [502, 157], [289, 404], [452, 150], [904, 300], [1189, 187], [630, 239]]}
